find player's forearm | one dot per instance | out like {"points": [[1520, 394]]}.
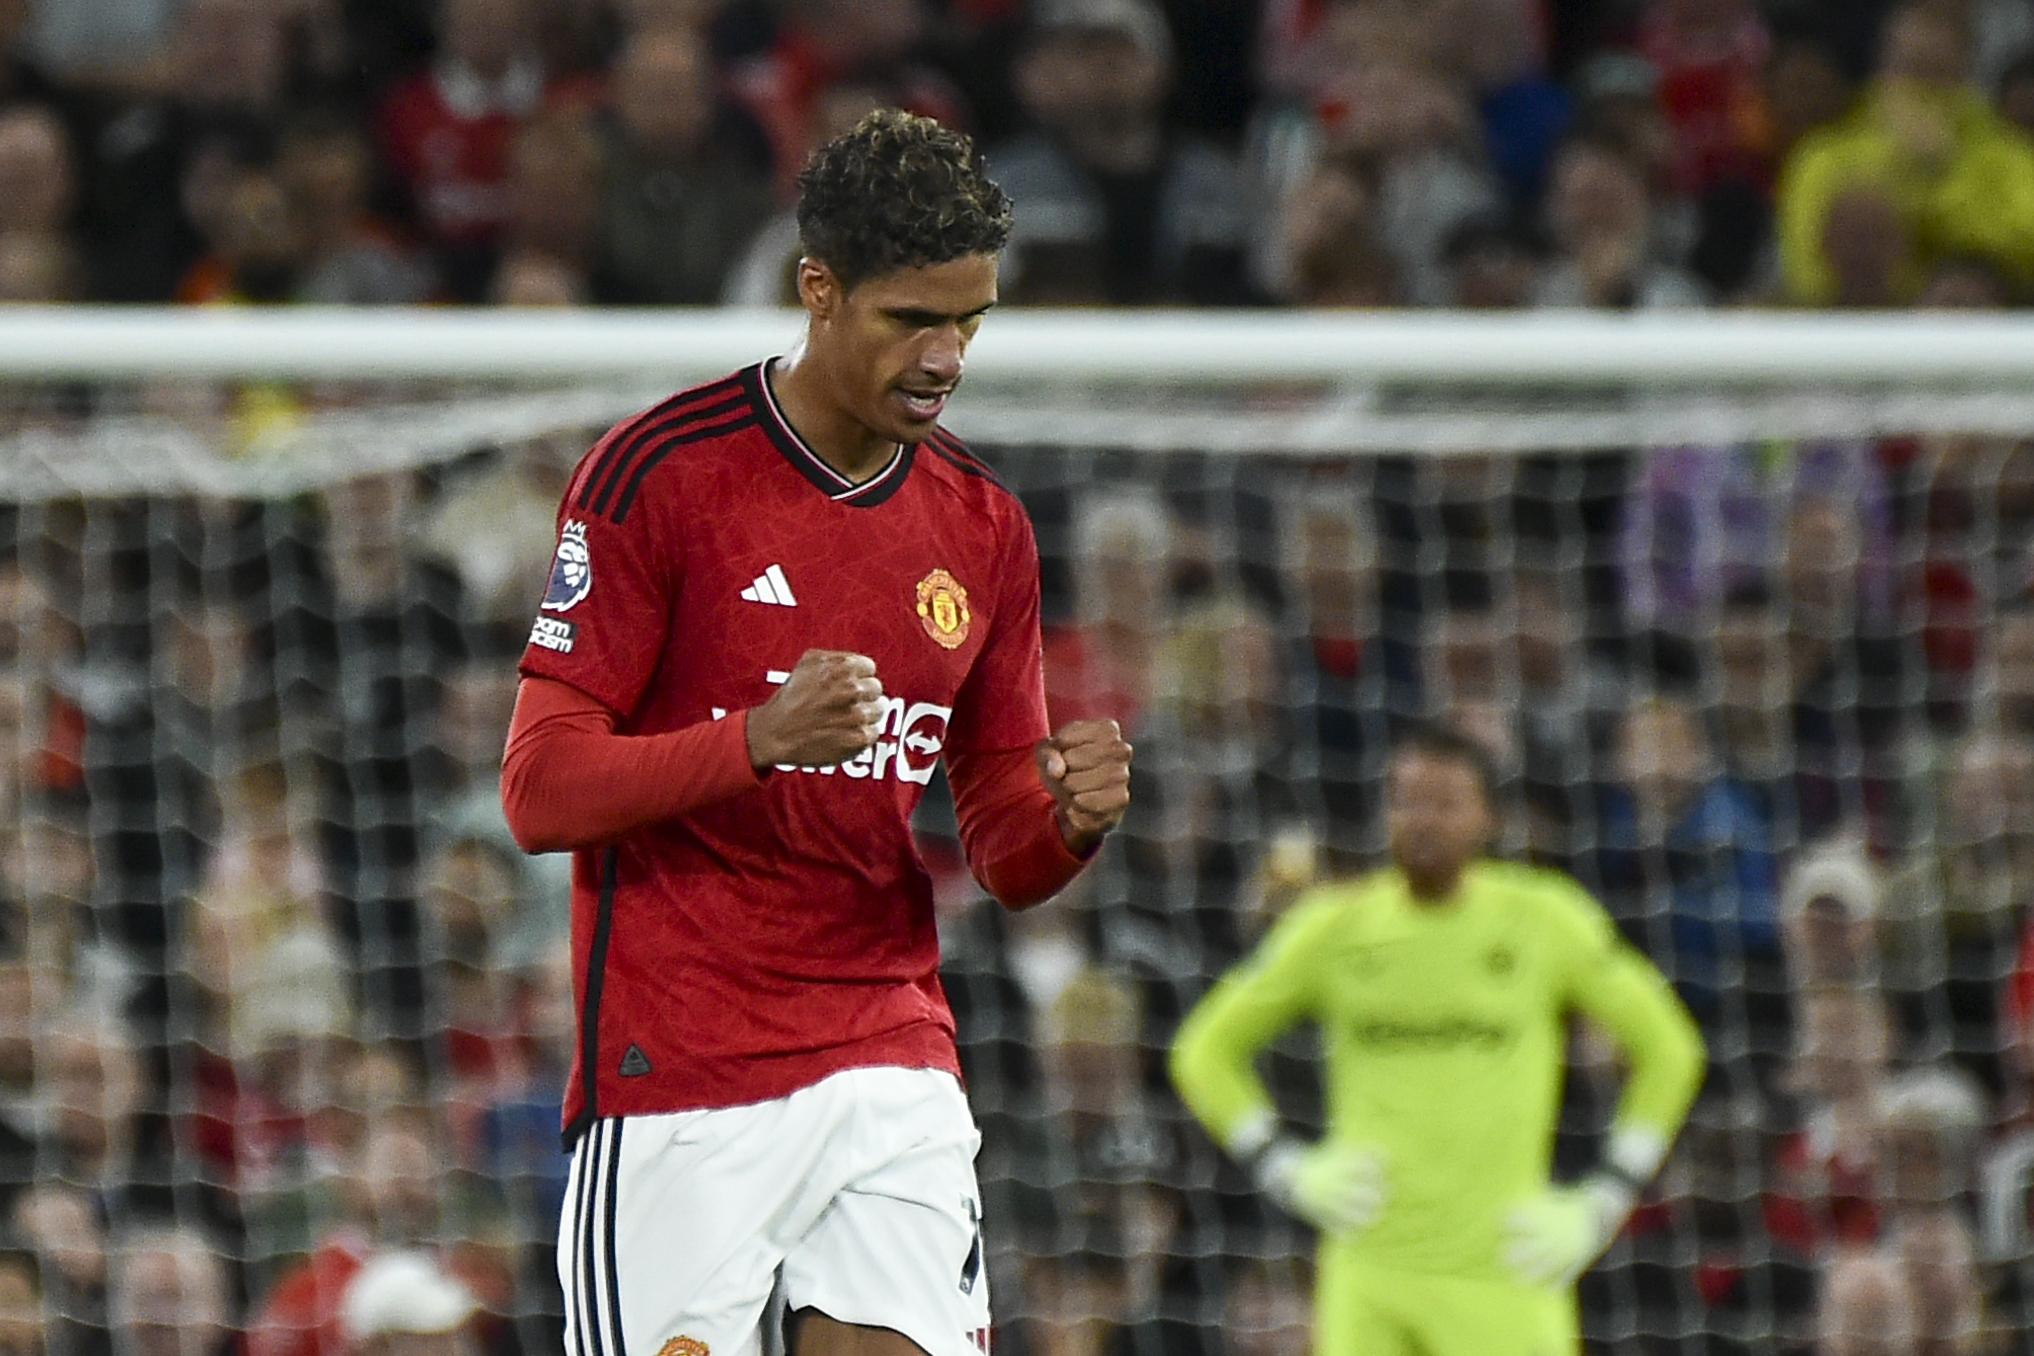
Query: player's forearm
{"points": [[1212, 1069], [1660, 1040], [569, 781], [1009, 832]]}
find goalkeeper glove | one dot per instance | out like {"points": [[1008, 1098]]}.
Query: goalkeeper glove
{"points": [[1337, 1188], [1553, 1238]]}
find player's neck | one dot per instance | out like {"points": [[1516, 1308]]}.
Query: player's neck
{"points": [[835, 436], [1433, 890]]}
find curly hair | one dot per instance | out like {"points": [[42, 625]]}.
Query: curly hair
{"points": [[899, 191]]}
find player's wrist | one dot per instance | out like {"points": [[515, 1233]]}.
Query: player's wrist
{"points": [[1633, 1155], [759, 734], [1082, 841]]}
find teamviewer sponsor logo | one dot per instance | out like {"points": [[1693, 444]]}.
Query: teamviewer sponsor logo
{"points": [[917, 733], [553, 633]]}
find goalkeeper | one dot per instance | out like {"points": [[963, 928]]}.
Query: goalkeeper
{"points": [[1442, 985]]}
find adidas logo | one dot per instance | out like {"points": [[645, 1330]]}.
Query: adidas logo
{"points": [[771, 587], [635, 1063]]}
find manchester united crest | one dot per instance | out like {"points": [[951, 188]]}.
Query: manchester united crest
{"points": [[684, 1346], [943, 607]]}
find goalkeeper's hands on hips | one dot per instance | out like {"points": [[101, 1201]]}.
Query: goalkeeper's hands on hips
{"points": [[1338, 1188], [1551, 1239], [1085, 764]]}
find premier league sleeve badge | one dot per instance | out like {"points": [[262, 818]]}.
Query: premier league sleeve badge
{"points": [[571, 571]]}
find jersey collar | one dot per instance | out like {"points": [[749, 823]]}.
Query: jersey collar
{"points": [[837, 487]]}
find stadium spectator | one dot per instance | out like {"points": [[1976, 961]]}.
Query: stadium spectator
{"points": [[447, 133], [1607, 247], [1112, 206], [1688, 858], [38, 188], [553, 188], [404, 1303], [683, 198], [2016, 93], [1933, 1120], [1711, 58], [1566, 699], [91, 1085], [1099, 1249], [24, 1325], [169, 1294], [22, 78], [515, 1140], [1265, 1312], [350, 257], [470, 901], [488, 527], [1332, 256], [394, 1197], [1492, 263], [1753, 1266], [256, 247], [1829, 918], [1103, 664], [1922, 168], [58, 1224], [1974, 885], [1344, 674], [767, 271], [1411, 132], [1866, 1308], [158, 173], [1938, 1258], [1830, 1161], [1700, 521], [821, 44]]}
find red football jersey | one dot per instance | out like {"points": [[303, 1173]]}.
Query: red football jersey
{"points": [[757, 945]]}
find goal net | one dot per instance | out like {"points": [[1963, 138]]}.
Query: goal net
{"points": [[1740, 608]]}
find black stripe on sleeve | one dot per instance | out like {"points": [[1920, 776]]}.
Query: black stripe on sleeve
{"points": [[690, 418], [665, 448], [613, 1267], [958, 457], [659, 416]]}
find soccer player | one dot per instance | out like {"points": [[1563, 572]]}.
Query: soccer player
{"points": [[779, 601], [1443, 985]]}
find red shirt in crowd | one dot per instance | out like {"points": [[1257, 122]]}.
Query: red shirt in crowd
{"points": [[446, 133]]}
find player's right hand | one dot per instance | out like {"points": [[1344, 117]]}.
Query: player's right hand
{"points": [[827, 711], [1337, 1188]]}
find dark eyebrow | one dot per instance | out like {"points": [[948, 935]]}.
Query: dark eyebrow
{"points": [[927, 319]]}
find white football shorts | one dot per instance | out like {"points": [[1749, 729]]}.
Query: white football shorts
{"points": [[855, 1196]]}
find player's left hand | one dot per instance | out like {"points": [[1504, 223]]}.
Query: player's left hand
{"points": [[1551, 1239], [1086, 767]]}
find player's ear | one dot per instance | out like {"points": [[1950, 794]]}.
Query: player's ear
{"points": [[819, 288]]}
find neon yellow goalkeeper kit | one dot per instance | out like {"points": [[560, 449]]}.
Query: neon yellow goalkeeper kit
{"points": [[1445, 1026]]}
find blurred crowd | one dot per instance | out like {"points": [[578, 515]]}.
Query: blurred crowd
{"points": [[287, 1015], [1485, 153]]}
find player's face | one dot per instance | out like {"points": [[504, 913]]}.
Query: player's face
{"points": [[897, 343], [1436, 815]]}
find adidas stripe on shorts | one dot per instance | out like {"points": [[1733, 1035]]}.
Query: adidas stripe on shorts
{"points": [[856, 1196]]}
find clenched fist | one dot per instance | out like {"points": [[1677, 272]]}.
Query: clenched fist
{"points": [[1086, 767], [827, 711]]}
